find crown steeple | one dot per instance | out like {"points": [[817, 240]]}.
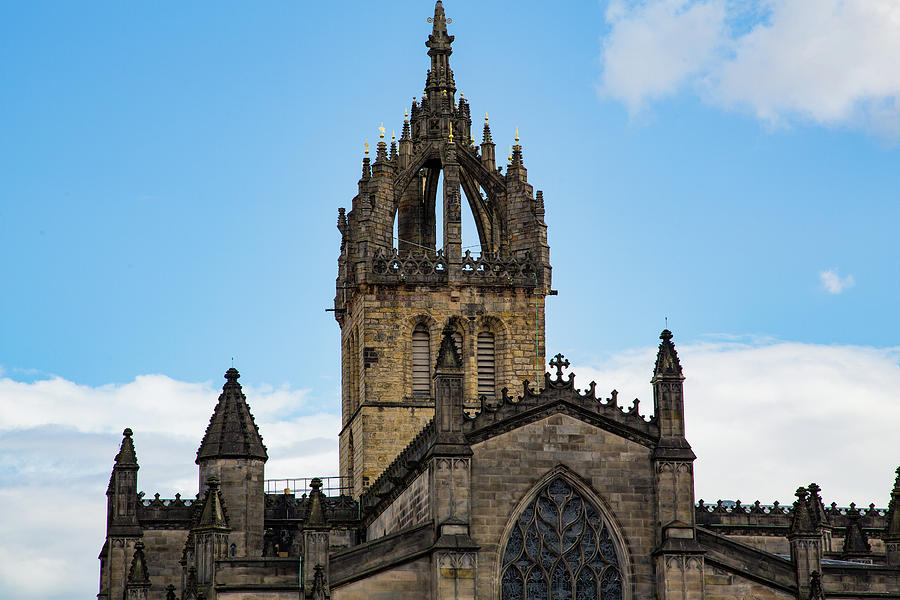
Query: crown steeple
{"points": [[405, 229]]}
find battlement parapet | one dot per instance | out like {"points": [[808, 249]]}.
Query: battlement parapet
{"points": [[489, 268], [726, 514], [164, 503], [165, 513], [627, 421]]}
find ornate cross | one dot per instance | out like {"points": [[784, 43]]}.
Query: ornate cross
{"points": [[559, 362]]}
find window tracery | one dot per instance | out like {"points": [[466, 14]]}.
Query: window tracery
{"points": [[560, 548]]}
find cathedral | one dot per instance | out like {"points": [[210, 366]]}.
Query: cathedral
{"points": [[466, 471]]}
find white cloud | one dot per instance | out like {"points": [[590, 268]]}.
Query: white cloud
{"points": [[683, 40], [830, 62], [834, 283], [764, 418]]}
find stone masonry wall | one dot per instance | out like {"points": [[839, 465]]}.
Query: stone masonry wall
{"points": [[380, 433], [243, 492], [384, 320], [507, 467], [163, 548], [412, 507], [410, 581]]}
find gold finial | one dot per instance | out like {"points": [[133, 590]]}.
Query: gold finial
{"points": [[406, 113], [485, 117], [451, 132], [367, 146], [510, 154], [381, 130], [517, 134], [393, 135]]}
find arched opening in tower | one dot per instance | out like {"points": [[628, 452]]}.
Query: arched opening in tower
{"points": [[421, 219]]}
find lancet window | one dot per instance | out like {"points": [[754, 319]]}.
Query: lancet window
{"points": [[560, 548], [421, 361]]}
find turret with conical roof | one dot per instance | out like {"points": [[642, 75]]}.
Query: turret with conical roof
{"points": [[397, 272], [232, 453]]}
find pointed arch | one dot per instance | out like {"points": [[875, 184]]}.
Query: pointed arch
{"points": [[562, 542]]}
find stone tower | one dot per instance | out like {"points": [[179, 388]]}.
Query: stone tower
{"points": [[233, 455], [397, 288]]}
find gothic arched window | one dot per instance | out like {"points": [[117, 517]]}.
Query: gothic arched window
{"points": [[486, 365], [560, 548], [421, 361]]}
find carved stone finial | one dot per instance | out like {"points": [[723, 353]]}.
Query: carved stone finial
{"points": [[559, 362], [126, 457], [667, 363], [815, 587], [320, 586], [232, 375], [448, 356], [856, 543], [315, 515], [138, 574], [801, 520]]}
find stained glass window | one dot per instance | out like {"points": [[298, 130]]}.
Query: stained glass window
{"points": [[559, 549]]}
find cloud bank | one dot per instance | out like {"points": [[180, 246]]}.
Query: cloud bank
{"points": [[763, 417], [829, 62]]}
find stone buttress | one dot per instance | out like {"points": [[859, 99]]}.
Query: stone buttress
{"points": [[394, 296], [123, 530], [679, 558]]}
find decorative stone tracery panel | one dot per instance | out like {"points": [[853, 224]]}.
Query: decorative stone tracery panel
{"points": [[560, 547]]}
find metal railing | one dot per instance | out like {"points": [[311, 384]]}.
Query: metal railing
{"points": [[334, 485]]}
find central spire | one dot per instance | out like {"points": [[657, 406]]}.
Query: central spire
{"points": [[440, 77]]}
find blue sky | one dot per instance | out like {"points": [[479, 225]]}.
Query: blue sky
{"points": [[170, 176]]}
